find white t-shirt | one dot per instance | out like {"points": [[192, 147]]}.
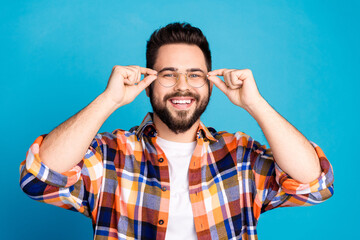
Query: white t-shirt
{"points": [[181, 220]]}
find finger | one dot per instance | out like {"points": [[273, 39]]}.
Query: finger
{"points": [[237, 85], [235, 79], [129, 76], [148, 71], [218, 83], [121, 72], [227, 79], [136, 69], [116, 72], [142, 71], [243, 74], [138, 76], [145, 83], [132, 73], [218, 72]]}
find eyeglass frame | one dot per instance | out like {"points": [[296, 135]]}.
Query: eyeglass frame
{"points": [[178, 76]]}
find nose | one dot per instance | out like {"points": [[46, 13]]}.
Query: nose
{"points": [[182, 84]]}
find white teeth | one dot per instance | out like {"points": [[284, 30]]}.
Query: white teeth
{"points": [[181, 101]]}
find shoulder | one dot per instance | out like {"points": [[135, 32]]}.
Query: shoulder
{"points": [[125, 133], [114, 136], [225, 135], [240, 139]]}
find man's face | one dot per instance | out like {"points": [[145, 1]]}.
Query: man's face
{"points": [[181, 105]]}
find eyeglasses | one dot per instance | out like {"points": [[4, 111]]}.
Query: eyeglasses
{"points": [[169, 78]]}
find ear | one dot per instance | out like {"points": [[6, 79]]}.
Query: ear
{"points": [[211, 87], [147, 89]]}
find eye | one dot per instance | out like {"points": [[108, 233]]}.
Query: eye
{"points": [[169, 75], [194, 75]]}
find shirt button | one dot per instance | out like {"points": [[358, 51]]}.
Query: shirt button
{"points": [[163, 188], [161, 222], [161, 159]]}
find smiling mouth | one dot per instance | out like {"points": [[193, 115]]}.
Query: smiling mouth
{"points": [[181, 102]]}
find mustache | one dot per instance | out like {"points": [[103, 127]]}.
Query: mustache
{"points": [[181, 94]]}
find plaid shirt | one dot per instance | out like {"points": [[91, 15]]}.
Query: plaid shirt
{"points": [[123, 184]]}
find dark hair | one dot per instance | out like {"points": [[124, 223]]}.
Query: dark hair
{"points": [[176, 33]]}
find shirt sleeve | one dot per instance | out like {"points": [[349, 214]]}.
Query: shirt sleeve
{"points": [[274, 188], [76, 189]]}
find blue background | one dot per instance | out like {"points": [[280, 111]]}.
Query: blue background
{"points": [[56, 57]]}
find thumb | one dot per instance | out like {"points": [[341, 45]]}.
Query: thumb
{"points": [[218, 83], [145, 83]]}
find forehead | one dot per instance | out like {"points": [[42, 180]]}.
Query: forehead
{"points": [[181, 56]]}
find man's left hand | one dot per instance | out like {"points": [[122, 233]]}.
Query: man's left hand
{"points": [[238, 85]]}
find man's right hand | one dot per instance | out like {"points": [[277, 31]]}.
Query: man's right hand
{"points": [[66, 145], [124, 83]]}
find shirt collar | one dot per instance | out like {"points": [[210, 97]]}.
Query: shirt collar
{"points": [[147, 127]]}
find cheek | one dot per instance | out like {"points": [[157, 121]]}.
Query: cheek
{"points": [[205, 93], [156, 89], [159, 92]]}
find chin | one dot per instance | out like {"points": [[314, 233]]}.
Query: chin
{"points": [[182, 114]]}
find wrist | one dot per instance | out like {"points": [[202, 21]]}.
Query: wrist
{"points": [[108, 102], [256, 106]]}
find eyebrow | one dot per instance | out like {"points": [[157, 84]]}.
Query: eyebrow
{"points": [[175, 69]]}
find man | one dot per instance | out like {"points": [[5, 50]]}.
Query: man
{"points": [[171, 177]]}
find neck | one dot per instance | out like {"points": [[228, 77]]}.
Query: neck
{"points": [[164, 132]]}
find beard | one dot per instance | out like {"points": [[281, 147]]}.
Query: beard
{"points": [[183, 120]]}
